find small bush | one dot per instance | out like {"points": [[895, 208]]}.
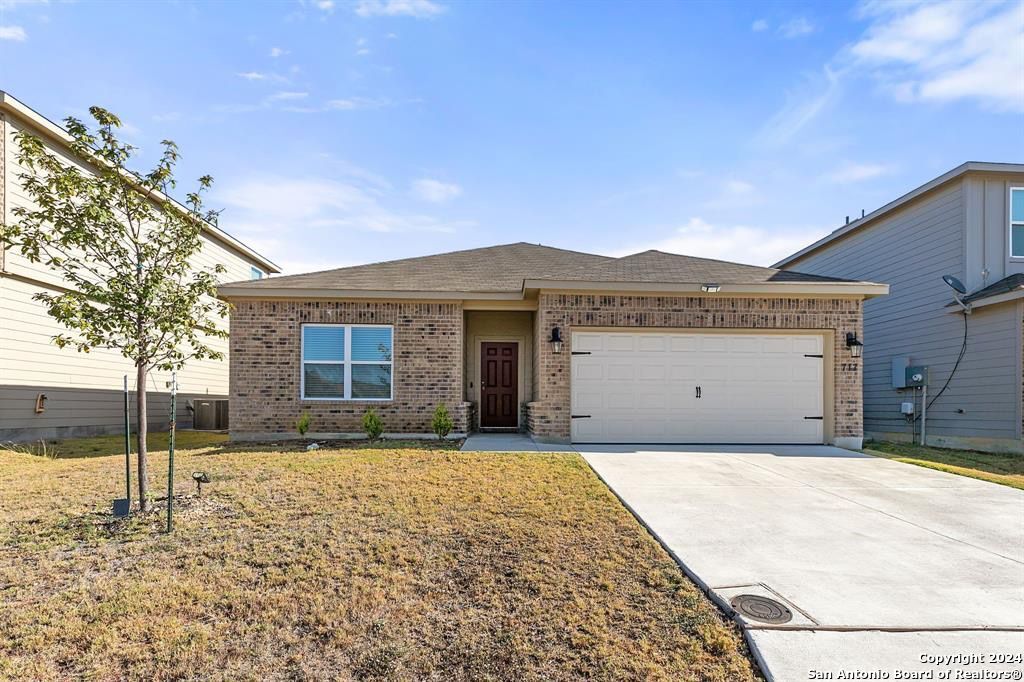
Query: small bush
{"points": [[302, 425], [442, 422], [373, 425]]}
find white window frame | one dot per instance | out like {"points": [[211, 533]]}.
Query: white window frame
{"points": [[253, 270], [347, 362], [1013, 224]]}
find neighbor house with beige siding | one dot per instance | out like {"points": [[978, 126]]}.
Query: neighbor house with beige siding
{"points": [[968, 223], [48, 392]]}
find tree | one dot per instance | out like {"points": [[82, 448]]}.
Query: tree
{"points": [[124, 251]]}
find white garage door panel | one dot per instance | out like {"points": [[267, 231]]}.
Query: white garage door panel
{"points": [[641, 387]]}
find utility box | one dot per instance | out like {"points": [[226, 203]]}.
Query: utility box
{"points": [[210, 415], [917, 376], [899, 371]]}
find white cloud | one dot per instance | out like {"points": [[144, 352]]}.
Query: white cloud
{"points": [[850, 172], [253, 76], [919, 51], [759, 25], [421, 9], [738, 187], [325, 5], [802, 106], [739, 243], [945, 51], [276, 52], [15, 33], [732, 193], [14, 4], [287, 96], [435, 191], [796, 28], [299, 219]]}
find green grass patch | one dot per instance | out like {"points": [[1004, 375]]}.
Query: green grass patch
{"points": [[1002, 468], [378, 563]]}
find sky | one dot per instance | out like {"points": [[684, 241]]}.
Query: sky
{"points": [[341, 132]]}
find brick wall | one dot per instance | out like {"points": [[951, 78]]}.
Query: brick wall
{"points": [[549, 413], [266, 355]]}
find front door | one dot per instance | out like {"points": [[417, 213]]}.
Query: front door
{"points": [[499, 384]]}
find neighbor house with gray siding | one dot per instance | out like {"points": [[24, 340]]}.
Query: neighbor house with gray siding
{"points": [[49, 392], [968, 223]]}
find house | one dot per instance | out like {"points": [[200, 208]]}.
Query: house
{"points": [[48, 392], [968, 223], [653, 347]]}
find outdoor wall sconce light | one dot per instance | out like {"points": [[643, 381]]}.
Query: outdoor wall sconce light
{"points": [[200, 478], [855, 346], [41, 403], [556, 340], [711, 288]]}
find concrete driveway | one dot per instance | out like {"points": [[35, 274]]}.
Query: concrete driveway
{"points": [[880, 563]]}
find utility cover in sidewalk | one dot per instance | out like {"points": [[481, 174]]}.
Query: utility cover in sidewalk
{"points": [[761, 608]]}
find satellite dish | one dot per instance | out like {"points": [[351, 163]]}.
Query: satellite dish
{"points": [[955, 284]]}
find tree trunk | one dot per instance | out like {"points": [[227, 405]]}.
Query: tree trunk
{"points": [[141, 430]]}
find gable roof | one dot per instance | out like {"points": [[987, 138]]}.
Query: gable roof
{"points": [[661, 267], [491, 269], [509, 271], [968, 167]]}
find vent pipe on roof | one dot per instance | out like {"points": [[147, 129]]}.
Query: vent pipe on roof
{"points": [[862, 213], [847, 220]]}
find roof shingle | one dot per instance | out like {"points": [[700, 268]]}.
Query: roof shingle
{"points": [[504, 269]]}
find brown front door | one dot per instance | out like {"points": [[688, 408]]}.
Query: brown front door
{"points": [[499, 384]]}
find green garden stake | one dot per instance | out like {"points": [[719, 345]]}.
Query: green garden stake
{"points": [[170, 461], [127, 450]]}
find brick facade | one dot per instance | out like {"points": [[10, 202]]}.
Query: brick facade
{"points": [[266, 356], [429, 361], [549, 413]]}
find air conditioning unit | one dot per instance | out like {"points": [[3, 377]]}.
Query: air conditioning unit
{"points": [[210, 415]]}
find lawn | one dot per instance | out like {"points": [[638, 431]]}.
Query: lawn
{"points": [[1002, 468], [384, 562]]}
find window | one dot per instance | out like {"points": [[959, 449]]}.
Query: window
{"points": [[255, 273], [1017, 222], [346, 362]]}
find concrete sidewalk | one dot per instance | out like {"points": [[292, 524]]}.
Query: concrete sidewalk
{"points": [[856, 546], [509, 442]]}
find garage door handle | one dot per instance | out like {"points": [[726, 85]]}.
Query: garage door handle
{"points": [[698, 391], [579, 416]]}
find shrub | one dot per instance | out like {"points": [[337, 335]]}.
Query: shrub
{"points": [[302, 425], [442, 422], [372, 425]]}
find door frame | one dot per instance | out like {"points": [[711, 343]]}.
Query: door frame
{"points": [[828, 369], [520, 376]]}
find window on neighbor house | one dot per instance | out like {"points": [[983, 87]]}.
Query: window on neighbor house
{"points": [[346, 362], [1017, 222], [255, 273]]}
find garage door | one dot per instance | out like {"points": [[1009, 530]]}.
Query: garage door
{"points": [[645, 387]]}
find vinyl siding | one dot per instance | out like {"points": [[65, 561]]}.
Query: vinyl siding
{"points": [[83, 388], [910, 250]]}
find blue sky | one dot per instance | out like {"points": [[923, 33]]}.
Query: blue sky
{"points": [[346, 132]]}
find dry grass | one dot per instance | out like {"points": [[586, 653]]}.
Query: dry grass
{"points": [[365, 563], [1003, 468]]}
